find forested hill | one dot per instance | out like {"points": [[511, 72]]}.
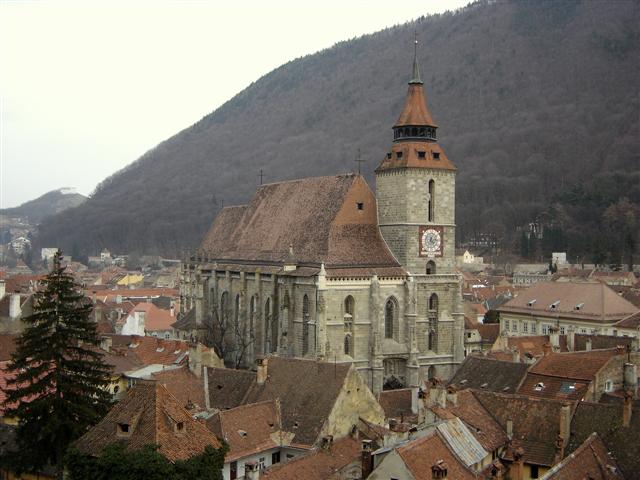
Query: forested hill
{"points": [[44, 206], [537, 104]]}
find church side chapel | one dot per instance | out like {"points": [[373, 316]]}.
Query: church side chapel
{"points": [[320, 268]]}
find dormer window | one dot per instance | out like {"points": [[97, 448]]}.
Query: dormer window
{"points": [[389, 156], [422, 155], [124, 430], [436, 155], [398, 154], [580, 306], [531, 303], [554, 305], [539, 387], [179, 426], [360, 205]]}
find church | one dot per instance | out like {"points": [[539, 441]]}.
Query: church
{"points": [[322, 268]]}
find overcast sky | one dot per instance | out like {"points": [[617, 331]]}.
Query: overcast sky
{"points": [[87, 87]]}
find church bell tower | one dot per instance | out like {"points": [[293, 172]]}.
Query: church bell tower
{"points": [[415, 189]]}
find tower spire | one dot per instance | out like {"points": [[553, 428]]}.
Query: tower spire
{"points": [[415, 79]]}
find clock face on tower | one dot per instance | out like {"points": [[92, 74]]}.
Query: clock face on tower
{"points": [[430, 241]]}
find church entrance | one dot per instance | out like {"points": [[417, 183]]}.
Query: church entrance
{"points": [[394, 373]]}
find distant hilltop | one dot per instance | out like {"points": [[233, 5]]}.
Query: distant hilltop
{"points": [[49, 204]]}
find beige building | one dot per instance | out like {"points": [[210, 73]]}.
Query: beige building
{"points": [[584, 307], [321, 268]]}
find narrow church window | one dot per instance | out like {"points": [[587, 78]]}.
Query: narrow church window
{"points": [[360, 205], [349, 307], [390, 309], [224, 308], [433, 304], [432, 193], [252, 316], [431, 267], [432, 315], [305, 325], [236, 315], [347, 344], [267, 323], [431, 373]]}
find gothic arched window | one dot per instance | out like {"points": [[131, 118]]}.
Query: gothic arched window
{"points": [[224, 308], [252, 316], [390, 314], [431, 372], [349, 308], [433, 303], [347, 344], [305, 325], [432, 198], [432, 333], [236, 315], [267, 322], [431, 267]]}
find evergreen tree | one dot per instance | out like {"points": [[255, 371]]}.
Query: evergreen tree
{"points": [[58, 385]]}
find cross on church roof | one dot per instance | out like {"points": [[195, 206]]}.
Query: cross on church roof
{"points": [[359, 161]]}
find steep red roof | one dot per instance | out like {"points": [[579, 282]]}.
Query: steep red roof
{"points": [[591, 460], [151, 350], [155, 319], [396, 403], [152, 415], [186, 387], [318, 218]]}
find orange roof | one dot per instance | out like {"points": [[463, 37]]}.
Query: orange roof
{"points": [[151, 350], [591, 460], [184, 385], [422, 454], [574, 365], [415, 111], [153, 416], [319, 464], [248, 429], [155, 319]]}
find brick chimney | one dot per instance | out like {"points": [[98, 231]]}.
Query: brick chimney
{"points": [[195, 359], [571, 338], [439, 470], [367, 458], [588, 344], [627, 409], [515, 355], [262, 373], [630, 379], [252, 470], [105, 343], [452, 395], [327, 442], [518, 464], [554, 339], [3, 289], [509, 429], [546, 348]]}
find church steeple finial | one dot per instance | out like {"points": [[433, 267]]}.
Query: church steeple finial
{"points": [[415, 79]]}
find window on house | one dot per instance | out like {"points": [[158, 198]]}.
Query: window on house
{"points": [[506, 325], [608, 386], [534, 327], [525, 327], [562, 330], [431, 267], [545, 329], [436, 155], [534, 471], [261, 463], [360, 205], [422, 155], [514, 326], [275, 458], [233, 470], [398, 154]]}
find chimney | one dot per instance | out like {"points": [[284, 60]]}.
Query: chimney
{"points": [[105, 343], [587, 346], [393, 423], [3, 289], [630, 379], [627, 409], [515, 355], [509, 429], [439, 470], [367, 458], [452, 395], [546, 348], [518, 464], [571, 338], [252, 470], [262, 370], [415, 392], [327, 442], [564, 431], [195, 358], [15, 311]]}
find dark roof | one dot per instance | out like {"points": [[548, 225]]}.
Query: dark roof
{"points": [[599, 342], [307, 390], [632, 321], [606, 421], [536, 422], [489, 374], [590, 460], [184, 385], [396, 403], [152, 415], [7, 345], [228, 387], [317, 217], [553, 387]]}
